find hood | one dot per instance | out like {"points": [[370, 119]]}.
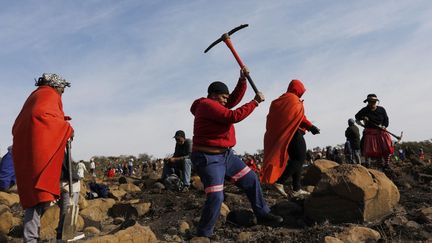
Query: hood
{"points": [[195, 105], [296, 87]]}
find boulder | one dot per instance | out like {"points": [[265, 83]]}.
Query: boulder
{"points": [[82, 202], [224, 211], [425, 214], [199, 240], [117, 194], [129, 211], [313, 174], [91, 231], [196, 183], [129, 187], [6, 221], [50, 220], [351, 194], [359, 234], [8, 199], [133, 234], [183, 227], [96, 211], [245, 236], [331, 239]]}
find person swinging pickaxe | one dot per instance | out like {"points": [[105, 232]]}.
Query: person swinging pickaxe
{"points": [[226, 38]]}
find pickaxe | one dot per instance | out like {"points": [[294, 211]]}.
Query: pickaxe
{"points": [[226, 38], [399, 138]]}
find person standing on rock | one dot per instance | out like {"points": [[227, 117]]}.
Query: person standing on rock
{"points": [[376, 142], [213, 157], [352, 135], [92, 168], [40, 134], [284, 145]]}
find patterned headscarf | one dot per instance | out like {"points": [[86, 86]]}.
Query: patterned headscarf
{"points": [[53, 80]]}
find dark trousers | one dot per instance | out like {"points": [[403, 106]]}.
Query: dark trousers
{"points": [[297, 156], [213, 169]]}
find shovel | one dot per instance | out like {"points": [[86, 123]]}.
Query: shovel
{"points": [[70, 219]]}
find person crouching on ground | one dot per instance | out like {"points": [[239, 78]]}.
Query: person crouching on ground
{"points": [[284, 145], [213, 158], [40, 133], [180, 162]]}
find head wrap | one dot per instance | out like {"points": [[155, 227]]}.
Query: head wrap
{"points": [[217, 87], [53, 80]]}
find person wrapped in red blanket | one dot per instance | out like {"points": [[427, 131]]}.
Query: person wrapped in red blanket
{"points": [[40, 134], [284, 145]]}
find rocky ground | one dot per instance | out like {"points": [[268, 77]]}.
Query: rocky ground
{"points": [[141, 210]]}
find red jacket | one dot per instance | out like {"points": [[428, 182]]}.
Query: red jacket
{"points": [[213, 123]]}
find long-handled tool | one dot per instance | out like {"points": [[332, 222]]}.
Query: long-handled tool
{"points": [[399, 138], [226, 38], [71, 217]]}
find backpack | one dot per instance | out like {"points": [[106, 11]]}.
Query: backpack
{"points": [[173, 183]]}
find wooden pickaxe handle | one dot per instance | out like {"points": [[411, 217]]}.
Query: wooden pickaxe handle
{"points": [[228, 42]]}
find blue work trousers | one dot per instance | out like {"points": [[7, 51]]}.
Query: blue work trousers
{"points": [[213, 169]]}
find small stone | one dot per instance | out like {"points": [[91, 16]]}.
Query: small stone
{"points": [[91, 231], [331, 239], [184, 227], [413, 225], [245, 236], [200, 240]]}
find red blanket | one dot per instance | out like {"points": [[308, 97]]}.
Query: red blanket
{"points": [[283, 120], [40, 134], [376, 143]]}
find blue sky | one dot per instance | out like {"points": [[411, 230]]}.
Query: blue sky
{"points": [[137, 66]]}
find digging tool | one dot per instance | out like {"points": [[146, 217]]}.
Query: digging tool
{"points": [[70, 219], [226, 38], [399, 138]]}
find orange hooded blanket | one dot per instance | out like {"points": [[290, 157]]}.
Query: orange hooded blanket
{"points": [[284, 118], [40, 133]]}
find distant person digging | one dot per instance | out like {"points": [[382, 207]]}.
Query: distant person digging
{"points": [[376, 142]]}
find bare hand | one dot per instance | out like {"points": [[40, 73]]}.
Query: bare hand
{"points": [[244, 72], [259, 97]]}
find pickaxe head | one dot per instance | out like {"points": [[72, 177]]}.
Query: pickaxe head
{"points": [[225, 36]]}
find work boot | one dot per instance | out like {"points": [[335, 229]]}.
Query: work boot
{"points": [[280, 188], [270, 220]]}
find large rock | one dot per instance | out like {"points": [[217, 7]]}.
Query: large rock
{"points": [[129, 187], [50, 220], [96, 211], [6, 221], [117, 194], [134, 234], [359, 234], [129, 211], [313, 174], [351, 194], [196, 183], [8, 199]]}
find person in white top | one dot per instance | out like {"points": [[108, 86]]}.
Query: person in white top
{"points": [[80, 169]]}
